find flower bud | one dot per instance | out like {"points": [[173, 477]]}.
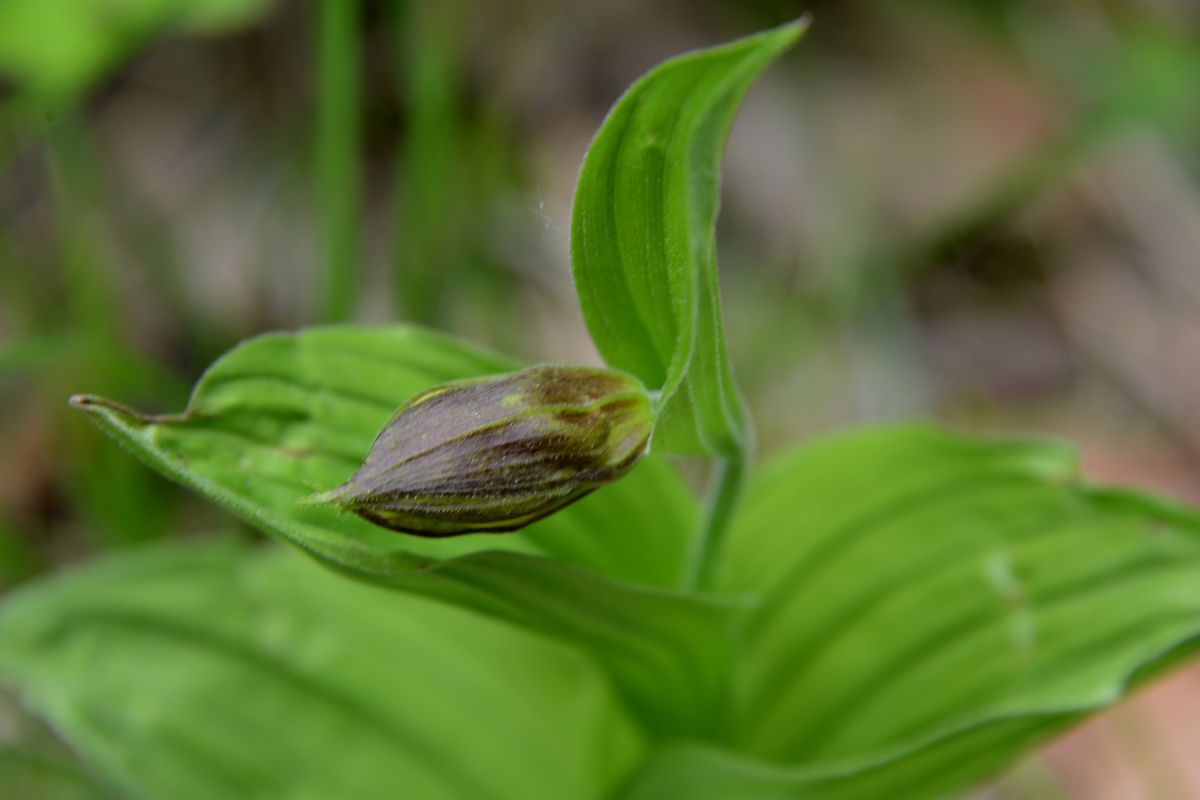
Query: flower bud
{"points": [[495, 454]]}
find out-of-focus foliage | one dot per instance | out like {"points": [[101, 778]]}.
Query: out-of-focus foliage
{"points": [[56, 50], [201, 672]]}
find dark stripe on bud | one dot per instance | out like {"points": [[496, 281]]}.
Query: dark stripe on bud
{"points": [[495, 454]]}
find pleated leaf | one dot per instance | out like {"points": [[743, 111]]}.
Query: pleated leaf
{"points": [[205, 672], [931, 606], [643, 246], [285, 415]]}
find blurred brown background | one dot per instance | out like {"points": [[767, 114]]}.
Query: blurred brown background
{"points": [[985, 212]]}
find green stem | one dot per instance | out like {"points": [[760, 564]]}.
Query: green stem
{"points": [[337, 154], [725, 490], [429, 229]]}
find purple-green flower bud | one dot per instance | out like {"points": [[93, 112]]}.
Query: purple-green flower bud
{"points": [[495, 454]]}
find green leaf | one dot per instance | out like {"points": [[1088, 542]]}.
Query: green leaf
{"points": [[643, 244], [285, 415], [701, 772], [206, 672], [932, 605]]}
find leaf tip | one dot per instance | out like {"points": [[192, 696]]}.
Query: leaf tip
{"points": [[111, 413], [789, 33], [82, 401], [95, 404]]}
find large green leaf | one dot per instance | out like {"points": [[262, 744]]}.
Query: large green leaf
{"points": [[208, 672], [931, 606], [643, 245], [287, 414]]}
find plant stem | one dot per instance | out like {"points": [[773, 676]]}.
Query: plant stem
{"points": [[337, 155], [429, 186], [724, 491]]}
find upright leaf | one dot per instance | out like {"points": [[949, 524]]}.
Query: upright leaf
{"points": [[288, 414], [932, 605], [206, 672], [643, 244]]}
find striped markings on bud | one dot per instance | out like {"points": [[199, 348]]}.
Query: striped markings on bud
{"points": [[495, 454]]}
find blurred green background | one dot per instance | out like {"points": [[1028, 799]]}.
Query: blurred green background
{"points": [[986, 213]]}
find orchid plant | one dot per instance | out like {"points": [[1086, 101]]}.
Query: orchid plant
{"points": [[896, 612]]}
